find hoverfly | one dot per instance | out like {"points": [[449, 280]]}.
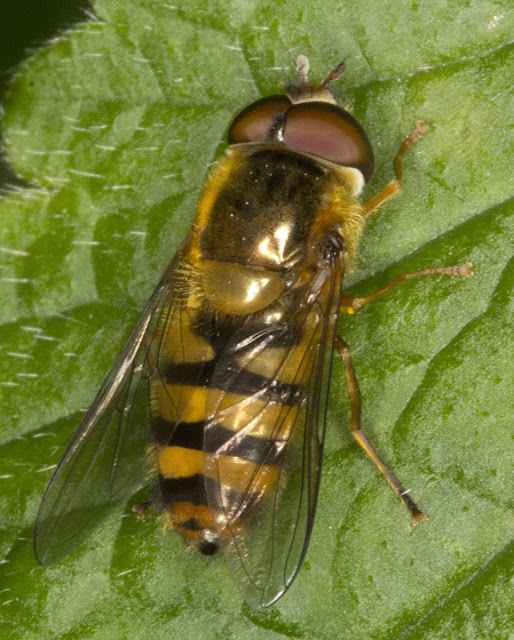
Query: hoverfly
{"points": [[222, 387]]}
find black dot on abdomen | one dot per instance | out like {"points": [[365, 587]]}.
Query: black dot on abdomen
{"points": [[208, 548]]}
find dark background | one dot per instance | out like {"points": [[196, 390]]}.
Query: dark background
{"points": [[26, 25]]}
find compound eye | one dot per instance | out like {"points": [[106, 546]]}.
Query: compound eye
{"points": [[328, 131], [257, 122]]}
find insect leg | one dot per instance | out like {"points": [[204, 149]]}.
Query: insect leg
{"points": [[350, 303], [141, 509], [393, 188], [355, 427]]}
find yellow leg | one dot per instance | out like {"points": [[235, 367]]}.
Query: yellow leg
{"points": [[393, 188], [351, 303], [356, 430]]}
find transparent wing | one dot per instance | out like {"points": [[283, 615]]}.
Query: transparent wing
{"points": [[104, 464], [264, 513]]}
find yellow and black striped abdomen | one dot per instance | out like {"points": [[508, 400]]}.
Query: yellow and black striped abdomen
{"points": [[248, 406]]}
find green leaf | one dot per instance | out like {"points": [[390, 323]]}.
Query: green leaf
{"points": [[116, 124]]}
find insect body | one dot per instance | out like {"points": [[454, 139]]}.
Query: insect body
{"points": [[227, 372]]}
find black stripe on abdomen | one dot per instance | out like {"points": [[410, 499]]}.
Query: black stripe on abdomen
{"points": [[183, 434], [233, 378], [192, 373], [192, 489], [190, 435], [188, 489]]}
